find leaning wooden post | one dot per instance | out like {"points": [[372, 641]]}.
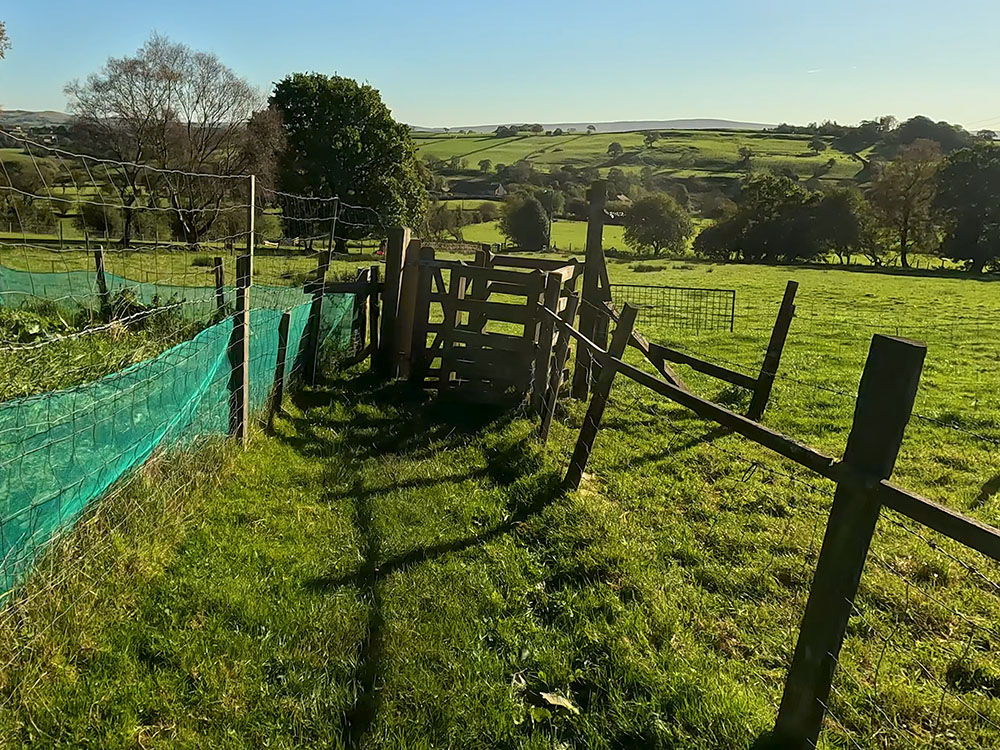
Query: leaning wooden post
{"points": [[373, 302], [599, 399], [769, 370], [885, 402], [398, 241], [314, 330], [239, 354], [278, 390], [102, 282], [558, 364], [591, 286], [543, 345], [220, 283]]}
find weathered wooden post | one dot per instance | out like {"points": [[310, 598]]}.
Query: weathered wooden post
{"points": [[419, 359], [772, 358], [599, 399], [558, 364], [885, 402], [361, 310], [102, 283], [591, 287], [395, 250], [543, 344], [278, 389], [239, 354], [373, 304], [481, 287], [314, 330], [220, 283]]}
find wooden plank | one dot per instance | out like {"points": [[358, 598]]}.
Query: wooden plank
{"points": [[406, 316], [420, 361], [514, 290], [772, 358], [398, 240], [598, 401], [539, 264], [885, 401], [490, 274], [591, 279], [544, 342], [954, 525], [556, 374], [361, 288], [708, 368], [456, 292], [639, 342], [502, 370], [499, 341], [500, 311]]}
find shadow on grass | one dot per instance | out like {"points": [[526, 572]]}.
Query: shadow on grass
{"points": [[366, 417]]}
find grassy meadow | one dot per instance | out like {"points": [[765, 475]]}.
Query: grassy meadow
{"points": [[390, 571], [679, 153]]}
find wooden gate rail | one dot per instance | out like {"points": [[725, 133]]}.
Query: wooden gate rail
{"points": [[885, 399]]}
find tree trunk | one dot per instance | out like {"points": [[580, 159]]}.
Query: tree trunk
{"points": [[976, 266], [341, 246], [904, 237]]}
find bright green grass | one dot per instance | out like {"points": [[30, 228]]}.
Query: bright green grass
{"points": [[694, 153], [389, 572], [567, 235]]}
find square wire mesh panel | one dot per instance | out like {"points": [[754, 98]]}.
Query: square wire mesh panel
{"points": [[679, 307]]}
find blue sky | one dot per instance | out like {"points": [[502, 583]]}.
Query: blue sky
{"points": [[474, 62]]}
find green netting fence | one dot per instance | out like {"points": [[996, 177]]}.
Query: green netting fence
{"points": [[61, 451]]}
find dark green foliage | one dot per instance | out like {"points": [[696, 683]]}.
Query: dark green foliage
{"points": [[524, 222], [657, 224], [968, 200], [341, 140], [779, 220]]}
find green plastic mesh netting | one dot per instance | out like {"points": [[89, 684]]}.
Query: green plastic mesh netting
{"points": [[61, 451]]}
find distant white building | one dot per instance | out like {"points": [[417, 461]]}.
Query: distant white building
{"points": [[499, 191]]}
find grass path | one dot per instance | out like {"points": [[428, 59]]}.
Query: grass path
{"points": [[381, 573]]}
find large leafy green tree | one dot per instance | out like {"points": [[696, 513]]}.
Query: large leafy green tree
{"points": [[657, 223], [342, 141], [968, 201], [902, 194], [524, 222], [4, 41]]}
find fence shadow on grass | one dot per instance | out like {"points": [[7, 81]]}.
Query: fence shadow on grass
{"points": [[394, 420]]}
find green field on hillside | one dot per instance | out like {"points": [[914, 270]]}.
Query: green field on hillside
{"points": [[682, 153], [389, 571]]}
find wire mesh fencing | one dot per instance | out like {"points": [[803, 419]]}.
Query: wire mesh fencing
{"points": [[679, 307]]}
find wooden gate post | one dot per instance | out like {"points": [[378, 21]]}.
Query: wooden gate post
{"points": [[772, 358], [885, 402], [314, 330], [592, 273], [420, 358], [102, 283], [558, 363], [543, 344], [239, 354], [398, 241], [278, 389], [220, 283], [599, 399], [373, 303]]}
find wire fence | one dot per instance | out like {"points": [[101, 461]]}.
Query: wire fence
{"points": [[119, 304], [679, 307]]}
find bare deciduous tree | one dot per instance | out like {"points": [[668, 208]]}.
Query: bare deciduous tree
{"points": [[181, 110]]}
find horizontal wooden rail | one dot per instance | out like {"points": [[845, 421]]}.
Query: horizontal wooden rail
{"points": [[708, 368], [351, 287]]}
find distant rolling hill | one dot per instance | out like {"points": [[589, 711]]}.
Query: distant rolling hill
{"points": [[622, 126], [27, 119]]}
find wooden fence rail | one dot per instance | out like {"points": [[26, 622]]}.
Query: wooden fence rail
{"points": [[884, 405]]}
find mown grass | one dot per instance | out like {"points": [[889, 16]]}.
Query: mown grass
{"points": [[390, 571]]}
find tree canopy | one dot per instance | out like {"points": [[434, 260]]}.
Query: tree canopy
{"points": [[342, 141], [657, 223], [4, 41], [524, 222], [968, 199]]}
